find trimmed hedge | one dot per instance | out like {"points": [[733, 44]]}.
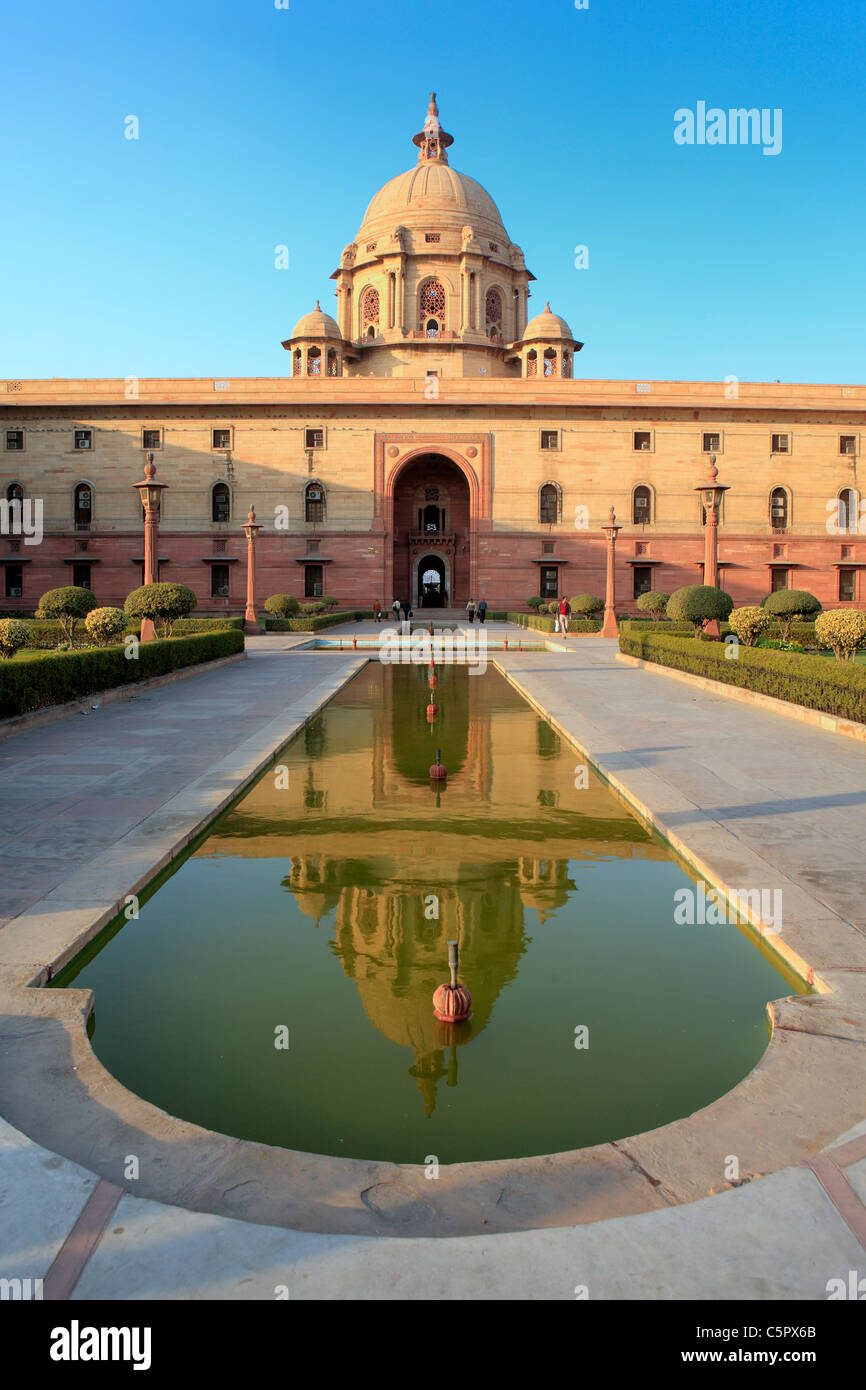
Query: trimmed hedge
{"points": [[543, 623], [834, 687], [35, 682], [313, 622]]}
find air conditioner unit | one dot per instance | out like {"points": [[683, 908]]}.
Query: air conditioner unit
{"points": [[84, 443], [315, 494], [14, 593]]}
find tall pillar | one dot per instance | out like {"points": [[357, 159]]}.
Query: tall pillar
{"points": [[611, 530], [712, 492], [251, 530], [150, 492]]}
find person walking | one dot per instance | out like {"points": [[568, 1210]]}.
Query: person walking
{"points": [[470, 610], [407, 609], [395, 609], [564, 615], [482, 610]]}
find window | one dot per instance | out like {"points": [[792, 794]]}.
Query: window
{"points": [[549, 362], [222, 439], [566, 365], [220, 502], [781, 444], [847, 510], [432, 236], [550, 439], [14, 440], [493, 314], [314, 502], [548, 504], [219, 581], [643, 579], [14, 493], [14, 580], [549, 581], [81, 577], [779, 509], [314, 362], [314, 439], [712, 442], [547, 547], [779, 579], [296, 362], [432, 307], [532, 362], [151, 439], [641, 511], [847, 585], [82, 439], [847, 443], [83, 509], [642, 439], [333, 362], [313, 581], [370, 310]]}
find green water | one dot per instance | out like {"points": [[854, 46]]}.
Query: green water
{"points": [[322, 904]]}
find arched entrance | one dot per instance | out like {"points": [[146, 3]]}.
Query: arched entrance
{"points": [[430, 588], [432, 533]]}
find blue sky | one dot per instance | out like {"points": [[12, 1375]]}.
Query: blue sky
{"points": [[262, 126]]}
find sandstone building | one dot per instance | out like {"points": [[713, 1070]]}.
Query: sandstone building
{"points": [[433, 438]]}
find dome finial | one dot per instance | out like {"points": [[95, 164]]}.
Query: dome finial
{"points": [[432, 141]]}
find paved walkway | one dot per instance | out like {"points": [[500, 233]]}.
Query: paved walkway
{"points": [[757, 798]]}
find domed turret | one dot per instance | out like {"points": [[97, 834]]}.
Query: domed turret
{"points": [[317, 324], [547, 327], [316, 345], [547, 347]]}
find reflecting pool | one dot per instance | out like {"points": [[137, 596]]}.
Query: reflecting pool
{"points": [[317, 912]]}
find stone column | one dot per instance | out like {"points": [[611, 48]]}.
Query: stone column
{"points": [[611, 530], [251, 530]]}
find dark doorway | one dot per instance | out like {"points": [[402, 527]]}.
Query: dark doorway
{"points": [[431, 582]]}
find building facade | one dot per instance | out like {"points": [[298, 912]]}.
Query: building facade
{"points": [[431, 440]]}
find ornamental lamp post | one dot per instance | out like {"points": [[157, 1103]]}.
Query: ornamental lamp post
{"points": [[711, 492], [150, 492], [251, 530], [611, 530]]}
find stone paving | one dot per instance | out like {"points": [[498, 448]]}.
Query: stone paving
{"points": [[746, 791]]}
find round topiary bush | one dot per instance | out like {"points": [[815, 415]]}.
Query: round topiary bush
{"points": [[788, 604], [843, 630], [13, 635], [162, 603], [67, 605], [584, 605], [699, 604], [104, 624], [281, 605], [535, 602], [653, 602], [749, 623], [329, 601]]}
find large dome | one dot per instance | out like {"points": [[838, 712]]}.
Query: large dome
{"points": [[426, 195]]}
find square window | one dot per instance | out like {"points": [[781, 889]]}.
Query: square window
{"points": [[547, 547], [712, 442], [151, 439], [81, 576], [314, 439], [219, 581], [847, 443], [781, 444], [222, 439], [14, 439], [14, 580], [550, 439], [847, 585], [642, 439], [83, 439]]}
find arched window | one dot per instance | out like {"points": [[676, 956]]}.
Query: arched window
{"points": [[549, 362], [432, 307], [641, 505], [296, 362], [847, 509], [548, 504], [369, 310], [220, 502], [566, 364], [314, 362], [333, 363], [314, 502], [14, 493], [532, 362], [83, 506], [493, 315], [779, 509]]}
